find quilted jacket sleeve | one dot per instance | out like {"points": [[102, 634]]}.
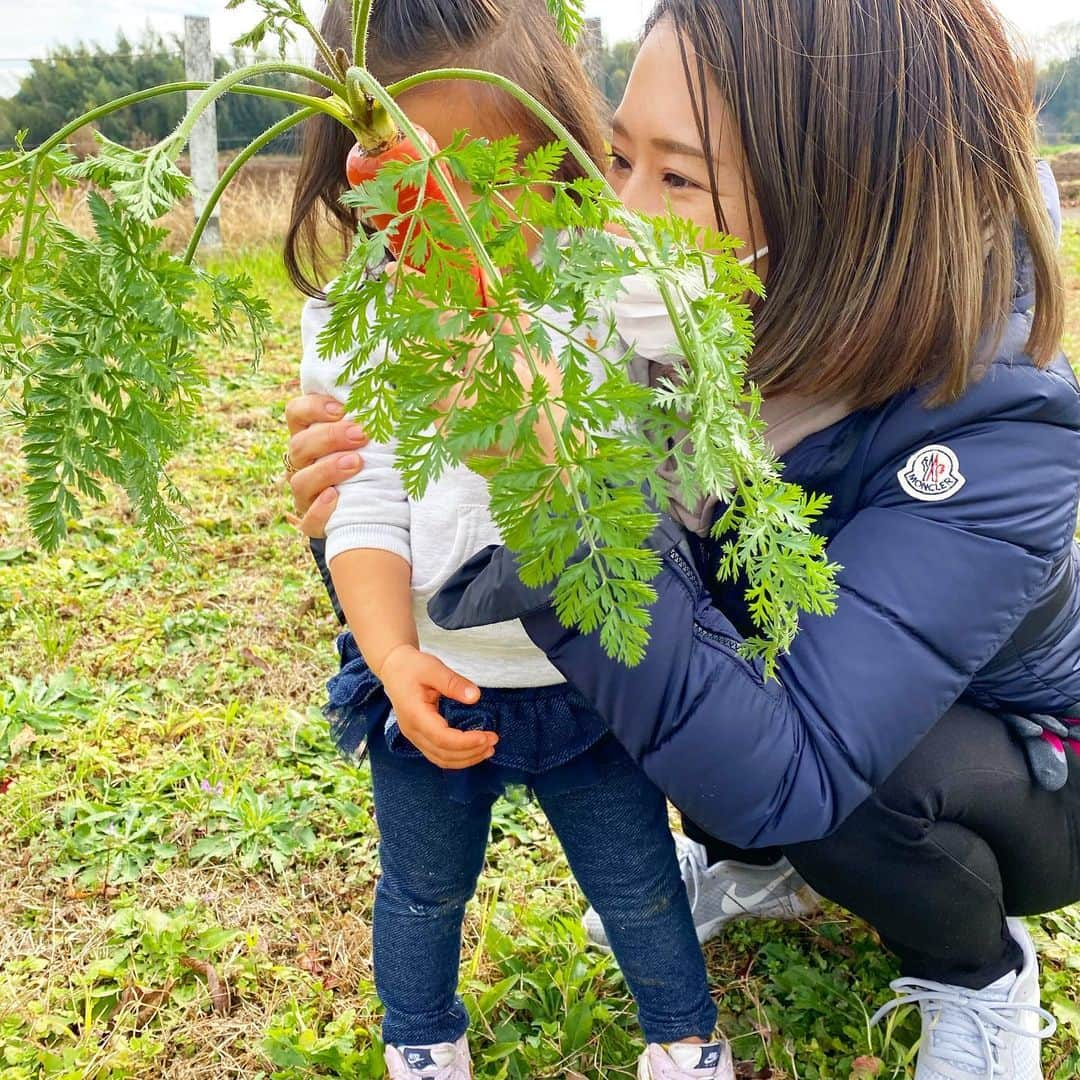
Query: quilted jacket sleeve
{"points": [[929, 592]]}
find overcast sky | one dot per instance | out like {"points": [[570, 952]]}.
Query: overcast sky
{"points": [[29, 31]]}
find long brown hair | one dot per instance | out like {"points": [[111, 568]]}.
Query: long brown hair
{"points": [[890, 145], [514, 38]]}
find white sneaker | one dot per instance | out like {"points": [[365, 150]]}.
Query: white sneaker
{"points": [[686, 1061], [980, 1034], [728, 890], [439, 1061]]}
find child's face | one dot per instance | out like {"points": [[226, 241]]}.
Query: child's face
{"points": [[657, 162], [444, 109]]}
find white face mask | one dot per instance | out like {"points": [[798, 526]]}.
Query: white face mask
{"points": [[641, 319]]}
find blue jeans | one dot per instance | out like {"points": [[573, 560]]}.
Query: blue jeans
{"points": [[614, 830]]}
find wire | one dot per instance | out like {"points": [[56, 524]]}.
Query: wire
{"points": [[90, 57]]}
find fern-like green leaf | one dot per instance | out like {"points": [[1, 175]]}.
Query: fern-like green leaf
{"points": [[569, 17]]}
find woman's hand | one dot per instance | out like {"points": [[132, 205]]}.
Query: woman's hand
{"points": [[323, 449], [414, 681]]}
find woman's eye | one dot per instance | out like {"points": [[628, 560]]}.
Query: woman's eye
{"points": [[619, 163], [679, 183]]}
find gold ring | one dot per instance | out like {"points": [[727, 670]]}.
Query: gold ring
{"points": [[290, 468]]}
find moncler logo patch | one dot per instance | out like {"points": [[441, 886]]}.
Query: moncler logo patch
{"points": [[932, 474]]}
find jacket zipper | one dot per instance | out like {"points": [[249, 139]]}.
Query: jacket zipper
{"points": [[683, 564], [728, 643], [676, 557]]}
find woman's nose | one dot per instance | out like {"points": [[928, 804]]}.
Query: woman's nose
{"points": [[637, 194]]}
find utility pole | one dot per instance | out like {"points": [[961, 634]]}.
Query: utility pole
{"points": [[202, 149]]}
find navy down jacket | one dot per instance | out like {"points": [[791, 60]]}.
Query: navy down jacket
{"points": [[955, 530]]}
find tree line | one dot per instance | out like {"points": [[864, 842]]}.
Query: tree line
{"points": [[72, 80], [1059, 93]]}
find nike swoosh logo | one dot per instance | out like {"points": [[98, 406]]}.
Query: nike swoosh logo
{"points": [[733, 904]]}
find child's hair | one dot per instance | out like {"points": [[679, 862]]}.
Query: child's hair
{"points": [[514, 38], [891, 147]]}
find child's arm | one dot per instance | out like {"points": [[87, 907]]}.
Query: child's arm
{"points": [[374, 587], [369, 554]]}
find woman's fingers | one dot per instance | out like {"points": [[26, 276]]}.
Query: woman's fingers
{"points": [[313, 523], [310, 444], [301, 412], [322, 453], [313, 480]]}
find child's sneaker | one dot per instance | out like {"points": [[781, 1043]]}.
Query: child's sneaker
{"points": [[440, 1061], [687, 1061]]}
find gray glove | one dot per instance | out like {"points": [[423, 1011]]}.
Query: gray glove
{"points": [[1044, 739]]}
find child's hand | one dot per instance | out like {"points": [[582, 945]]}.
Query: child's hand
{"points": [[414, 681]]}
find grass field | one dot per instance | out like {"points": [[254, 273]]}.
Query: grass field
{"points": [[186, 868]]}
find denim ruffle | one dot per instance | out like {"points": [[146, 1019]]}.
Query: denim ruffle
{"points": [[545, 732], [356, 704]]}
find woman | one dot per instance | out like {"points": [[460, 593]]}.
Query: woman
{"points": [[909, 761]]}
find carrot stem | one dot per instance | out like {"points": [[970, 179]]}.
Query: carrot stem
{"points": [[234, 167], [321, 44], [361, 21], [226, 83]]}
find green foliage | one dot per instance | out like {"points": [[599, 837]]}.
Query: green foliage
{"points": [[100, 335], [300, 1045], [580, 518], [281, 20], [31, 709], [249, 828], [1070, 256], [106, 845], [613, 69], [569, 17], [145, 183], [101, 338], [73, 79], [1059, 96]]}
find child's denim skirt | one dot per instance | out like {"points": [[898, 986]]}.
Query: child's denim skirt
{"points": [[547, 734]]}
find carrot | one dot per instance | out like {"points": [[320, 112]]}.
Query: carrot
{"points": [[362, 165]]}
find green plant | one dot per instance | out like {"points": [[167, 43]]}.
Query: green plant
{"points": [[299, 1044], [101, 337], [254, 830], [108, 845], [34, 710], [549, 1001]]}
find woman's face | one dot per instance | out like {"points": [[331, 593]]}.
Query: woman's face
{"points": [[657, 163]]}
